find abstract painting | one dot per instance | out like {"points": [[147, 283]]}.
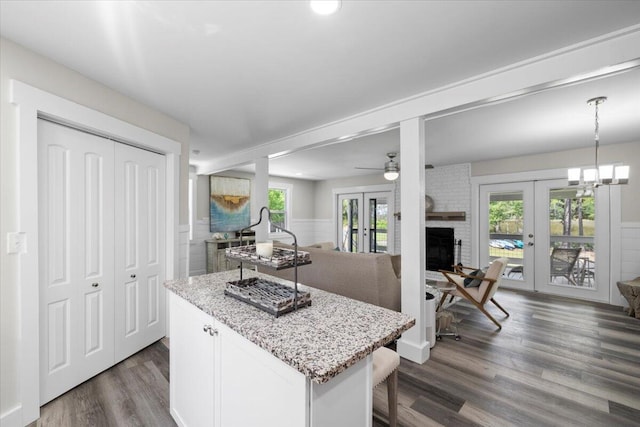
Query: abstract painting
{"points": [[230, 203]]}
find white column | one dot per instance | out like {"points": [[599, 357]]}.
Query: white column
{"points": [[413, 345], [261, 197]]}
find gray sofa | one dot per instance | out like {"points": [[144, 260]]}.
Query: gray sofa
{"points": [[371, 278]]}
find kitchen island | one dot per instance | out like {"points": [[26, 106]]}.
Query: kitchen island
{"points": [[232, 364]]}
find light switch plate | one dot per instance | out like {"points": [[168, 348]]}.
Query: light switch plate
{"points": [[16, 242]]}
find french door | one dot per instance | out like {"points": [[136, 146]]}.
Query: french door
{"points": [[550, 234], [365, 222], [507, 229]]}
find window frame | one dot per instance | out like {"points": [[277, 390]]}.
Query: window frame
{"points": [[288, 190], [192, 197]]}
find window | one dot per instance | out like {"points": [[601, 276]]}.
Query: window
{"points": [[193, 181], [279, 202]]}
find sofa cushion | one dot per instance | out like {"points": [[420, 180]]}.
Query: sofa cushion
{"points": [[367, 277]]}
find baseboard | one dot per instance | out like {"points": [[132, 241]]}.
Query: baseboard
{"points": [[12, 418], [408, 350]]}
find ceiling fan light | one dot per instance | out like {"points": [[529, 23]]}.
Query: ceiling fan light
{"points": [[391, 171], [391, 175]]}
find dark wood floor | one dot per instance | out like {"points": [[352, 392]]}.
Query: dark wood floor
{"points": [[556, 362], [135, 392]]}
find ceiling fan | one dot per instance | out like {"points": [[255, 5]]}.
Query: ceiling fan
{"points": [[392, 168]]}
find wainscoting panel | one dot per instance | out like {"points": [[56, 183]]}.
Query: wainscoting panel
{"points": [[183, 251]]}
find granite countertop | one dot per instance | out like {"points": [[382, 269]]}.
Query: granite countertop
{"points": [[320, 341]]}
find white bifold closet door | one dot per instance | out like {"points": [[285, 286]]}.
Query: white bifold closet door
{"points": [[139, 261], [101, 223]]}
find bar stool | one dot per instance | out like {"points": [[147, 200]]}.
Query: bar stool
{"points": [[385, 367]]}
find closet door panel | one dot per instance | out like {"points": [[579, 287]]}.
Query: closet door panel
{"points": [[75, 176], [140, 265]]}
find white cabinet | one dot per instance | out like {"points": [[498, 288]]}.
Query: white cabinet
{"points": [[221, 379], [257, 389], [193, 343]]}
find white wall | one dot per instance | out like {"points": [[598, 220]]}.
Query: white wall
{"points": [[450, 189], [303, 223], [628, 153], [35, 70], [630, 250]]}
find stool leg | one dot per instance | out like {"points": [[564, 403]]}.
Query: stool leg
{"points": [[392, 398]]}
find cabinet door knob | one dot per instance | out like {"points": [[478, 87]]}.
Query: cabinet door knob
{"points": [[133, 276], [209, 328], [95, 285]]}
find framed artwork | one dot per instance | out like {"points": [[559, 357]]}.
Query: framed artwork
{"points": [[229, 203]]}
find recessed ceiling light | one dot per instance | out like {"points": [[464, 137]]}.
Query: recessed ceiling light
{"points": [[325, 7], [298, 173]]}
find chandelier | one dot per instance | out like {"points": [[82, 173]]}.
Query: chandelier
{"points": [[590, 178]]}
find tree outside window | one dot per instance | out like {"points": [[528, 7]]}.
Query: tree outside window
{"points": [[278, 207]]}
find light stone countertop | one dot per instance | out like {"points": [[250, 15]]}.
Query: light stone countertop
{"points": [[320, 341]]}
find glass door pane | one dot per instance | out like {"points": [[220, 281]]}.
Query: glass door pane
{"points": [[378, 229], [350, 232], [572, 223], [507, 230]]}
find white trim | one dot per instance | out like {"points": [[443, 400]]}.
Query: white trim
{"points": [[628, 224], [477, 181], [193, 177], [615, 224], [615, 249], [577, 61], [364, 189], [288, 215], [12, 417], [30, 102]]}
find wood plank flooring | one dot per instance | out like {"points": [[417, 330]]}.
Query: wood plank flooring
{"points": [[135, 392], [556, 362]]}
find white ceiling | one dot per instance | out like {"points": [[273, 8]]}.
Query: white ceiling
{"points": [[242, 74]]}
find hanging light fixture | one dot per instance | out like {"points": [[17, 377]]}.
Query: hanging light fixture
{"points": [[391, 168], [601, 174]]}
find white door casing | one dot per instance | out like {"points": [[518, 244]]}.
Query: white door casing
{"points": [[77, 275], [139, 260], [536, 223], [32, 103], [102, 249]]}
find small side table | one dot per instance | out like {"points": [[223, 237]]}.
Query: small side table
{"points": [[443, 316]]}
